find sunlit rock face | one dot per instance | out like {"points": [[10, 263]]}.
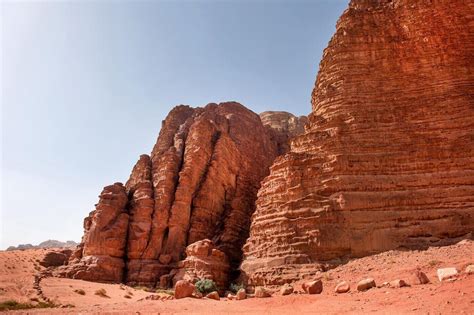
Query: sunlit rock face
{"points": [[387, 159], [199, 183]]}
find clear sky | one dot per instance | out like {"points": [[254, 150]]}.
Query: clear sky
{"points": [[86, 84]]}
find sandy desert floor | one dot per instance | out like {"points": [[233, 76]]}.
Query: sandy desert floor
{"points": [[18, 269]]}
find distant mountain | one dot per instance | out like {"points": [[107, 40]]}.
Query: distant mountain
{"points": [[45, 244]]}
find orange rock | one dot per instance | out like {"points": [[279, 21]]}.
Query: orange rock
{"points": [[387, 157], [342, 287], [313, 287], [183, 289], [200, 182]]}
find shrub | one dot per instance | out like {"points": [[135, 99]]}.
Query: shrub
{"points": [[206, 286], [80, 291], [102, 293], [14, 305], [164, 291], [235, 287]]}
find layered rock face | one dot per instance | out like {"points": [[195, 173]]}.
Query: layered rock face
{"points": [[203, 261], [200, 182], [387, 159], [283, 126]]}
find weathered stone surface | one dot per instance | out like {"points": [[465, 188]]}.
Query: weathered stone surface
{"points": [[398, 283], [286, 289], [261, 292], [366, 284], [241, 295], [56, 258], [469, 269], [213, 295], [342, 287], [183, 289], [282, 127], [445, 274], [313, 287], [204, 261], [419, 277], [200, 182], [100, 255], [387, 158]]}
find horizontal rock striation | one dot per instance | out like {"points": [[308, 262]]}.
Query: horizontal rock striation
{"points": [[387, 159], [282, 127], [200, 182]]}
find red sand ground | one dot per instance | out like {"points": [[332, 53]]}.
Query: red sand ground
{"points": [[17, 271]]}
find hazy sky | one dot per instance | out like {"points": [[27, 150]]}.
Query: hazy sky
{"points": [[86, 84]]}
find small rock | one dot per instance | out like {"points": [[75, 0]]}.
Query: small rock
{"points": [[230, 297], [469, 270], [241, 295], [213, 295], [445, 274], [365, 284], [261, 292], [342, 287], [286, 289], [419, 277], [313, 287], [183, 289], [398, 284]]}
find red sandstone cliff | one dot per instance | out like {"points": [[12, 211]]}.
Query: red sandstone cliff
{"points": [[200, 182], [387, 159]]}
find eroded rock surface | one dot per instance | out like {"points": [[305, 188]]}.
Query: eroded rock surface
{"points": [[204, 261], [283, 126], [200, 182], [387, 158]]}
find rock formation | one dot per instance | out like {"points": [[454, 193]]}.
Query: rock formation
{"points": [[283, 126], [200, 182], [387, 159], [204, 261]]}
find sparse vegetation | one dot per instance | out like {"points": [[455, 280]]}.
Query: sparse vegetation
{"points": [[235, 287], [14, 305], [81, 292], [102, 293], [434, 262], [164, 291], [206, 286]]}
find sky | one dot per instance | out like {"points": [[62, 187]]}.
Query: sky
{"points": [[86, 84]]}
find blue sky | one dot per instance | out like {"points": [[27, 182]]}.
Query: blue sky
{"points": [[86, 84]]}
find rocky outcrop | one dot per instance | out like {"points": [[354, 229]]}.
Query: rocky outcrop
{"points": [[100, 255], [282, 127], [387, 158], [200, 182], [203, 261]]}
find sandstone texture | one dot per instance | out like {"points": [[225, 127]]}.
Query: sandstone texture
{"points": [[387, 158], [199, 183], [283, 126], [204, 261]]}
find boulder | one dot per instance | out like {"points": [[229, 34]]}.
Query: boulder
{"points": [[286, 289], [261, 292], [446, 274], [342, 287], [213, 295], [419, 277], [398, 283], [313, 287], [241, 295], [183, 289], [55, 259], [366, 284]]}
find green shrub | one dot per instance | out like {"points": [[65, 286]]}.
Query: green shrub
{"points": [[206, 286], [235, 287]]}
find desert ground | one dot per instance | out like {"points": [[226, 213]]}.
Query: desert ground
{"points": [[18, 269]]}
